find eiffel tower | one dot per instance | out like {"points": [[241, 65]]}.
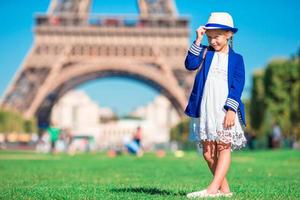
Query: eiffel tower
{"points": [[72, 46]]}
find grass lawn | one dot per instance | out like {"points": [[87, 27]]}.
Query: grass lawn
{"points": [[253, 175]]}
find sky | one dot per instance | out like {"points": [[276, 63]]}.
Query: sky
{"points": [[267, 30]]}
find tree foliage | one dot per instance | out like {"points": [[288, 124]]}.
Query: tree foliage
{"points": [[180, 133], [257, 102], [276, 97], [14, 122]]}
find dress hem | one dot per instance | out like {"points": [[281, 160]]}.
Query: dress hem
{"points": [[238, 141]]}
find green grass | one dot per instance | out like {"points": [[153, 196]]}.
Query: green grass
{"points": [[253, 175]]}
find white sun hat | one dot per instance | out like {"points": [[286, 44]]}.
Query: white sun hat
{"points": [[220, 20]]}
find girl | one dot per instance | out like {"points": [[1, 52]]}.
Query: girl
{"points": [[215, 102]]}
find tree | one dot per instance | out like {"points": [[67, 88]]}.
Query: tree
{"points": [[276, 97], [180, 133], [30, 126], [282, 94], [257, 102], [14, 122]]}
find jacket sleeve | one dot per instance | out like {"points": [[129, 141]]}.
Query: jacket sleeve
{"points": [[237, 86], [194, 58]]}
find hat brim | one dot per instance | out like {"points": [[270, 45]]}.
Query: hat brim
{"points": [[221, 27]]}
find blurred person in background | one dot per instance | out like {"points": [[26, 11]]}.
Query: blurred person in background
{"points": [[276, 135], [43, 144], [133, 146], [54, 133], [69, 141], [2, 141], [137, 136]]}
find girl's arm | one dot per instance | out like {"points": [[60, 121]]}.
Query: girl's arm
{"points": [[236, 89], [194, 57]]}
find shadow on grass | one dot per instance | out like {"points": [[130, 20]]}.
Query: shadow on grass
{"points": [[151, 191]]}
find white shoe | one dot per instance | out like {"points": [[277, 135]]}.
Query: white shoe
{"points": [[201, 194], [228, 194]]}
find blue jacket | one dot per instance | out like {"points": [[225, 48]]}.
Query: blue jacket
{"points": [[236, 80]]}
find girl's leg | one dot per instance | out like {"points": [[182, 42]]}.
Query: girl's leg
{"points": [[224, 185], [221, 169], [210, 154]]}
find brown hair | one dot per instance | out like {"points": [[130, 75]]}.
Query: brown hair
{"points": [[231, 42]]}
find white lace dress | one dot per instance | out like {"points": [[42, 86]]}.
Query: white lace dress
{"points": [[212, 113]]}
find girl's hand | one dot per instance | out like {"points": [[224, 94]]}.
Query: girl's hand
{"points": [[229, 119], [200, 33]]}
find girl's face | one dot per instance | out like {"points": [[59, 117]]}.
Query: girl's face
{"points": [[218, 39]]}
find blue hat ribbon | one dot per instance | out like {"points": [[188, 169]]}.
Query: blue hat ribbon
{"points": [[221, 26]]}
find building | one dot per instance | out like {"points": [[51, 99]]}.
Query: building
{"points": [[77, 112], [161, 116]]}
